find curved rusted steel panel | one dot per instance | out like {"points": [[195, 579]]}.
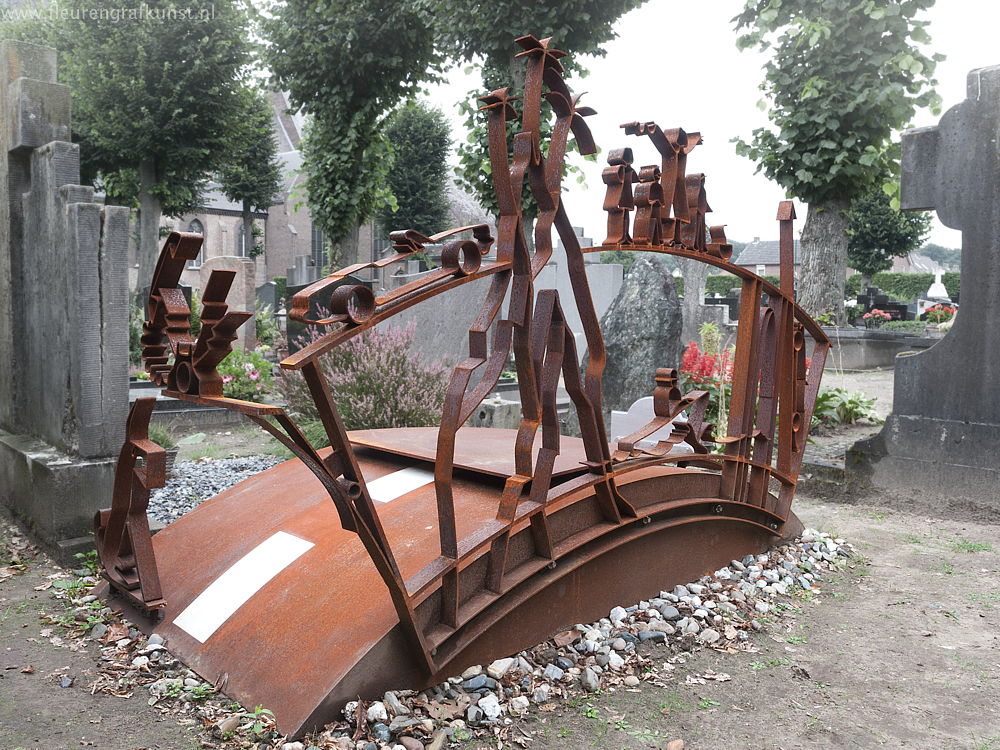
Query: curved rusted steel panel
{"points": [[321, 629], [397, 557]]}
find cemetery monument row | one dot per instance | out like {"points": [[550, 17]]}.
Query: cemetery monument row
{"points": [[398, 557]]}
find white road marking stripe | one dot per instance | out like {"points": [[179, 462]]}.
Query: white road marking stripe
{"points": [[233, 589], [388, 488]]}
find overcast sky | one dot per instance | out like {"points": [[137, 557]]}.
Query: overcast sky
{"points": [[707, 85]]}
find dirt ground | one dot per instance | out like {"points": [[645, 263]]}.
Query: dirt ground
{"points": [[904, 653]]}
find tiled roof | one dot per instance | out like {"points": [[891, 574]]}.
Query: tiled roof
{"points": [[763, 253]]}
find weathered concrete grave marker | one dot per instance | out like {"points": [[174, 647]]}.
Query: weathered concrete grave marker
{"points": [[63, 311], [943, 436]]}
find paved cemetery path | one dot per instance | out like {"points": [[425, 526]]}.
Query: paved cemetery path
{"points": [[905, 654]]}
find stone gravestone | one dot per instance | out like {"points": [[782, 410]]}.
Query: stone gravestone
{"points": [[63, 312], [942, 438], [267, 294], [242, 296], [642, 331]]}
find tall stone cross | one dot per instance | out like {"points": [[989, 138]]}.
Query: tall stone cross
{"points": [[954, 168], [943, 435]]}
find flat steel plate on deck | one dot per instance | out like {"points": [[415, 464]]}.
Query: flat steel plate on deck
{"points": [[483, 450]]}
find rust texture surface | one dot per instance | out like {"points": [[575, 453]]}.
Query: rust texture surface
{"points": [[397, 557]]}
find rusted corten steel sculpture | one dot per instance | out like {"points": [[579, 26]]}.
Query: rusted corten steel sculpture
{"points": [[421, 551]]}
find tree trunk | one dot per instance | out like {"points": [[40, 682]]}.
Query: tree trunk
{"points": [[344, 252], [149, 229], [247, 229], [824, 259], [695, 274]]}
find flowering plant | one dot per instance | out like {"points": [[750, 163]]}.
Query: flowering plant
{"points": [[875, 317], [375, 381], [245, 375], [941, 313], [709, 368]]}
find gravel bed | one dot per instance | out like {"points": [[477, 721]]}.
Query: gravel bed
{"points": [[193, 482]]}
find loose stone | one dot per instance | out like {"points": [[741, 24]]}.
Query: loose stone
{"points": [[490, 706], [552, 673], [376, 712], [500, 667], [394, 705], [669, 612], [709, 635]]}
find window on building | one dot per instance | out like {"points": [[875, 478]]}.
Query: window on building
{"points": [[241, 241], [318, 246], [197, 227]]}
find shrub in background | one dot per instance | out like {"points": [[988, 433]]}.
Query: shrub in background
{"points": [[246, 375], [267, 327], [375, 382], [840, 406], [136, 317]]}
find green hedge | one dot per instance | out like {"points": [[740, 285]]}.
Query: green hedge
{"points": [[721, 283], [905, 287], [281, 289], [951, 280]]}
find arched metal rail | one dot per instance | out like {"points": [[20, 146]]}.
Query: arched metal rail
{"points": [[448, 546]]}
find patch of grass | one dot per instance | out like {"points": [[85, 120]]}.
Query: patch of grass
{"points": [[948, 569], [210, 451], [912, 539], [986, 743], [673, 702], [797, 639], [88, 561], [706, 703], [988, 599], [645, 735], [964, 545]]}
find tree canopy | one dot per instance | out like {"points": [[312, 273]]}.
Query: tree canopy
{"points": [[420, 140], [878, 232], [949, 257], [154, 97], [347, 63], [484, 34], [843, 76], [251, 173]]}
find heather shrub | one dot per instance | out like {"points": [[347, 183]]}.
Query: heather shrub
{"points": [[375, 382]]}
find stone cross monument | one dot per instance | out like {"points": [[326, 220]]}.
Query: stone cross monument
{"points": [[63, 312], [943, 436]]}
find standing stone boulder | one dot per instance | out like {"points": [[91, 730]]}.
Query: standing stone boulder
{"points": [[642, 331]]}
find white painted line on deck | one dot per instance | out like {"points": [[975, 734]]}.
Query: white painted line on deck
{"points": [[233, 589], [388, 488]]}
